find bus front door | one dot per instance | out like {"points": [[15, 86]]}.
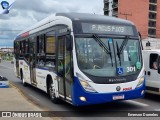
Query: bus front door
{"points": [[64, 69]]}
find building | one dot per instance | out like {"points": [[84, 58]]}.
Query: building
{"points": [[7, 50], [151, 43], [145, 14]]}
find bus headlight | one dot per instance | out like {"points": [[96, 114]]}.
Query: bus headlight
{"points": [[85, 84], [141, 81]]}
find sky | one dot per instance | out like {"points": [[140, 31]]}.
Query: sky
{"points": [[25, 13]]}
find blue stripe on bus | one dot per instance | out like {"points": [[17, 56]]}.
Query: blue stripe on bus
{"points": [[98, 98]]}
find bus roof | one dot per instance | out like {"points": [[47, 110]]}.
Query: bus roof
{"points": [[94, 17], [71, 17]]}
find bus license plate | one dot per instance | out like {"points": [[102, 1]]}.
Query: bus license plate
{"points": [[118, 97]]}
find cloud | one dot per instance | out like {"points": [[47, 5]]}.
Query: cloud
{"points": [[25, 13]]}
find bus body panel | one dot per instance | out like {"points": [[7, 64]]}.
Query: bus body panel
{"points": [[41, 76], [109, 88], [49, 22], [25, 69], [98, 98]]}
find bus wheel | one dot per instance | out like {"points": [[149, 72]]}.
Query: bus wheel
{"points": [[22, 78], [52, 93]]}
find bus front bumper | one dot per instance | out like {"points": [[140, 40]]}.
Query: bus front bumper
{"points": [[81, 97]]}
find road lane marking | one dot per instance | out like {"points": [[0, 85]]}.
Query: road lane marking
{"points": [[156, 109], [137, 103]]}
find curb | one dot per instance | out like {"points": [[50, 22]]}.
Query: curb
{"points": [[32, 102], [23, 94]]}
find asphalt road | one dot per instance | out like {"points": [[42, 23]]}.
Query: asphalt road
{"points": [[96, 112]]}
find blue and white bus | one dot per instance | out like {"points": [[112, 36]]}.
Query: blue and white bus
{"points": [[81, 58]]}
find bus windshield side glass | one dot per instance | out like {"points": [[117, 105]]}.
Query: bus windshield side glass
{"points": [[123, 56]]}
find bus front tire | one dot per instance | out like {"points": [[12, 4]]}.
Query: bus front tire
{"points": [[52, 94]]}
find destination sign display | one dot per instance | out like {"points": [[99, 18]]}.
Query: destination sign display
{"points": [[107, 29]]}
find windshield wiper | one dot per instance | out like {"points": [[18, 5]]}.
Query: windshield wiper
{"points": [[124, 43], [101, 43], [118, 53], [108, 51], [119, 50]]}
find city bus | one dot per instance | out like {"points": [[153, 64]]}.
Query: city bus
{"points": [[81, 58]]}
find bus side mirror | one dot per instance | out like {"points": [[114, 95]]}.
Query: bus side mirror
{"points": [[69, 42], [159, 69], [140, 36]]}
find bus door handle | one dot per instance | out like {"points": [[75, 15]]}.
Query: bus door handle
{"points": [[149, 73]]}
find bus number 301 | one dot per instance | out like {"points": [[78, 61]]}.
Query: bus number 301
{"points": [[131, 69]]}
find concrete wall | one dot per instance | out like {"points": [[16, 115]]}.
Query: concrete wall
{"points": [[155, 43]]}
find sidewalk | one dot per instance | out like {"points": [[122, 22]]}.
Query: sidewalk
{"points": [[12, 100]]}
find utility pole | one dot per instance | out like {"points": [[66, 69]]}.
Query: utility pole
{"points": [[125, 14]]}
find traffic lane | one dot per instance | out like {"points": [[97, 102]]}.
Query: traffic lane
{"points": [[37, 94], [41, 98], [152, 100], [8, 64], [101, 110], [66, 107]]}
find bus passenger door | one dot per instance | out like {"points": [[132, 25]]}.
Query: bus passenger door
{"points": [[33, 62], [16, 57], [64, 69]]}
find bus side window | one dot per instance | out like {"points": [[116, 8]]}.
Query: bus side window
{"points": [[41, 44], [16, 49], [41, 62], [50, 45]]}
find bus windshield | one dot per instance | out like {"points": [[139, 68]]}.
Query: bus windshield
{"points": [[108, 57]]}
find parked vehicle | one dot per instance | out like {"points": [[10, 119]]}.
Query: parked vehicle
{"points": [[152, 70]]}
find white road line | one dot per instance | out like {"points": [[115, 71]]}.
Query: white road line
{"points": [[157, 110], [137, 103]]}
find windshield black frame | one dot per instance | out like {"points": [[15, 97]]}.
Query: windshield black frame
{"points": [[117, 78]]}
